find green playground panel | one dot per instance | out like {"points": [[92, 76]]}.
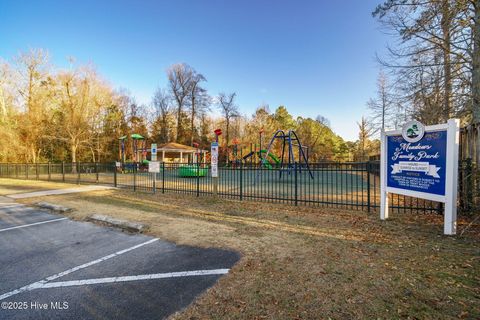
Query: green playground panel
{"points": [[192, 171]]}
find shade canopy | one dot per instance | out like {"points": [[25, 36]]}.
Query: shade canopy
{"points": [[137, 136]]}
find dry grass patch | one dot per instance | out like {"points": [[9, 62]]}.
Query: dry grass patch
{"points": [[309, 263], [12, 186]]}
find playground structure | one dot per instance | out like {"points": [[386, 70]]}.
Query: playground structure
{"points": [[139, 151], [293, 154], [259, 155], [290, 158], [292, 141], [236, 157]]}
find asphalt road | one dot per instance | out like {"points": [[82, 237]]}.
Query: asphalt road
{"points": [[55, 268]]}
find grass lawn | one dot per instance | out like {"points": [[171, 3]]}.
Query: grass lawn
{"points": [[309, 263], [11, 186]]}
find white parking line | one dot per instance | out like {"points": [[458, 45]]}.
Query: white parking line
{"points": [[40, 283], [32, 224], [133, 278]]}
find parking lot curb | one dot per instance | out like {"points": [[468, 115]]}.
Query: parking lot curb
{"points": [[54, 207], [122, 224]]}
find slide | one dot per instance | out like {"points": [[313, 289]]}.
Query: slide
{"points": [[271, 156], [274, 158], [267, 164]]}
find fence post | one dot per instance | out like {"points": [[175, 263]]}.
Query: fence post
{"points": [[63, 171], [296, 184], [36, 171], [77, 165], [163, 177], [115, 174], [154, 182], [16, 170], [198, 177], [134, 176], [8, 172], [49, 171], [241, 181], [26, 171], [368, 187]]}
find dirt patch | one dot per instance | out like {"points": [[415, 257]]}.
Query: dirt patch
{"points": [[309, 263]]}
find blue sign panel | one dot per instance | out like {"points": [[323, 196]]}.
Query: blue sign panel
{"points": [[418, 166]]}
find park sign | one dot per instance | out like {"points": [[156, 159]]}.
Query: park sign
{"points": [[422, 162], [153, 150], [154, 166], [214, 159]]}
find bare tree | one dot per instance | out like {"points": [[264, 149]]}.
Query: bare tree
{"points": [[433, 52], [180, 78], [33, 86], [365, 132], [382, 105], [323, 120], [82, 96], [161, 102], [476, 61], [226, 103], [199, 101]]}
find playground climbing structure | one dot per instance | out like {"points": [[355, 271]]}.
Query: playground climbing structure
{"points": [[290, 141]]}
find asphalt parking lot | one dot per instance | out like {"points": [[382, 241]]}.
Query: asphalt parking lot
{"points": [[54, 268]]}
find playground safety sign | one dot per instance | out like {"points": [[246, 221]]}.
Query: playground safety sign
{"points": [[153, 150], [421, 162], [154, 166], [214, 159]]}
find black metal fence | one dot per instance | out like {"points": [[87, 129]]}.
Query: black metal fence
{"points": [[354, 185]]}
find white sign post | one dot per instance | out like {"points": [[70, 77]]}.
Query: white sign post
{"points": [[214, 159], [154, 168], [422, 162], [153, 151], [214, 166]]}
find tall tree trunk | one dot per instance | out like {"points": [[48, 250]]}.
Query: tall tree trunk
{"points": [[34, 154], [476, 64], [227, 125], [227, 132], [73, 150], [93, 154], [164, 130], [384, 106], [192, 123], [179, 120], [447, 68]]}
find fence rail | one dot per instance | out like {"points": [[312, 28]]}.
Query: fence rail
{"points": [[353, 185]]}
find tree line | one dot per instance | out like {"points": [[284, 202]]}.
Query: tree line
{"points": [[73, 114], [431, 72]]}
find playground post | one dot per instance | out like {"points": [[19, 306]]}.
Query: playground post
{"points": [[214, 161]]}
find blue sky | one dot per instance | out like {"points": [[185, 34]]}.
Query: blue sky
{"points": [[315, 57]]}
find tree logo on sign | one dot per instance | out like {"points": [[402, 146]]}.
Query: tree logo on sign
{"points": [[413, 131]]}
